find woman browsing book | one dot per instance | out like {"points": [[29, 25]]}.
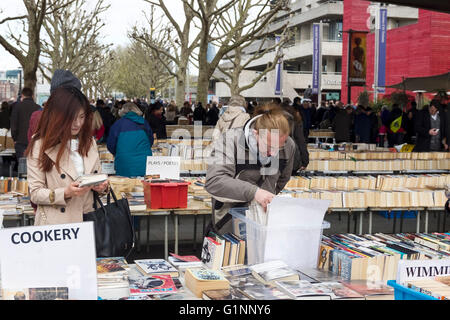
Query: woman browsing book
{"points": [[251, 163], [61, 151]]}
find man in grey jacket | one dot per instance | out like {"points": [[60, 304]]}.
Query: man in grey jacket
{"points": [[248, 164]]}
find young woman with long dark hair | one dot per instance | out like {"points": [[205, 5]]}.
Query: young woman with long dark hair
{"points": [[61, 150]]}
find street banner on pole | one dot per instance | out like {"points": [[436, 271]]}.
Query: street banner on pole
{"points": [[382, 51], [357, 58], [316, 58], [278, 72]]}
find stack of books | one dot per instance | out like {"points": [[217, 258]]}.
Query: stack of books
{"points": [[184, 262], [438, 287], [223, 250], [376, 256], [112, 278], [153, 277], [199, 280]]}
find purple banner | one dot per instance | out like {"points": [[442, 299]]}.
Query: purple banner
{"points": [[278, 73], [382, 51], [316, 57]]}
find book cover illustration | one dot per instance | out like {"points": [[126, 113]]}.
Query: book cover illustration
{"points": [[185, 258], [270, 275], [55, 293], [137, 297], [212, 253], [243, 281], [224, 294], [339, 291], [109, 265], [155, 266], [236, 270], [157, 284], [263, 292], [273, 270], [301, 288], [207, 275], [369, 288], [175, 296]]}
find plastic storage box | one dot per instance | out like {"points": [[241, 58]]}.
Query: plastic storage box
{"points": [[296, 245], [404, 293], [165, 194]]}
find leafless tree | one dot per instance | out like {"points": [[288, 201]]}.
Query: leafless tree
{"points": [[135, 69], [177, 44], [242, 56], [250, 20], [73, 41], [27, 51]]}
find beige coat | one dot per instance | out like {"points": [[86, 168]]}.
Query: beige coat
{"points": [[233, 117], [60, 211]]}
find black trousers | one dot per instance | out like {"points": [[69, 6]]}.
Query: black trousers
{"points": [[20, 150]]}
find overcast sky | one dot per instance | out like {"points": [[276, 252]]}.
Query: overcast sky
{"points": [[121, 16]]}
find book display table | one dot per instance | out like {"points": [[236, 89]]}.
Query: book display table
{"points": [[194, 208]]}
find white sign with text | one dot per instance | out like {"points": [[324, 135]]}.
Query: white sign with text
{"points": [[165, 167], [50, 257], [410, 270]]}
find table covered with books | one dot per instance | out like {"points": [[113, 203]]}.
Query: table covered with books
{"points": [[349, 267]]}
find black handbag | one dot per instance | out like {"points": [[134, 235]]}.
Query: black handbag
{"points": [[113, 226]]}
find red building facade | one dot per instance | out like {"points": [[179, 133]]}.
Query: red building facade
{"points": [[416, 50]]}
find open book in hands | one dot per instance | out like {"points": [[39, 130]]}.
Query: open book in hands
{"points": [[92, 179]]}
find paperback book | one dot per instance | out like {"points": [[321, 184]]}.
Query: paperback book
{"points": [[150, 267], [224, 294], [269, 272], [303, 290], [202, 279], [91, 179], [148, 285]]}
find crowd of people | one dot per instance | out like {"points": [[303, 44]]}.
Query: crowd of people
{"points": [[428, 129], [59, 140]]}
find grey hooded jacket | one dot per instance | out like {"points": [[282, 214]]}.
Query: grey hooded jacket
{"points": [[234, 173]]}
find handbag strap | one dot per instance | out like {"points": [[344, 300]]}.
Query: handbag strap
{"points": [[98, 200]]}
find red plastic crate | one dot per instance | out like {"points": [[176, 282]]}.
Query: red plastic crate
{"points": [[165, 194]]}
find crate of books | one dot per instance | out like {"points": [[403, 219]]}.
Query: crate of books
{"points": [[404, 293], [280, 233]]}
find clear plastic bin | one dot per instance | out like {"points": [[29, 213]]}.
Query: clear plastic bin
{"points": [[294, 244]]}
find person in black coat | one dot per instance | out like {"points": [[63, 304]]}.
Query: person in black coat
{"points": [[107, 117], [301, 156], [362, 125], [4, 116], [200, 113], [429, 135], [212, 116], [20, 121], [342, 124], [410, 123], [156, 120]]}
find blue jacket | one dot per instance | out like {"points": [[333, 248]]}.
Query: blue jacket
{"points": [[130, 140]]}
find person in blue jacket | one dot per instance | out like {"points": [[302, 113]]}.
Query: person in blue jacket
{"points": [[130, 140]]}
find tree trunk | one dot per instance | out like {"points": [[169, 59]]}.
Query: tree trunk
{"points": [[203, 71], [202, 87], [234, 87], [29, 77], [181, 86]]}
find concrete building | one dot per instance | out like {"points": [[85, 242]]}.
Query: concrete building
{"points": [[298, 52]]}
